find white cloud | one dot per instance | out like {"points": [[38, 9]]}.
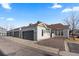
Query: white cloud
{"points": [[6, 5], [10, 19], [76, 8], [67, 10], [71, 9], [56, 6]]}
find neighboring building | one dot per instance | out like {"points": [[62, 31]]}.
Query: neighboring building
{"points": [[75, 33], [59, 30], [3, 31], [38, 31]]}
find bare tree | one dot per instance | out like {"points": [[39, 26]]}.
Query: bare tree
{"points": [[73, 22]]}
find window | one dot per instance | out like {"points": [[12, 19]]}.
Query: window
{"points": [[55, 32], [59, 33], [42, 32], [62, 33], [52, 31]]}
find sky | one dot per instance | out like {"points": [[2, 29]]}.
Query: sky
{"points": [[21, 14]]}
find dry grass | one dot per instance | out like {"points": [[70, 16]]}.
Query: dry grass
{"points": [[71, 39]]}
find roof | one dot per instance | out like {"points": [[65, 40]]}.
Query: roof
{"points": [[33, 25], [52, 26], [58, 26]]}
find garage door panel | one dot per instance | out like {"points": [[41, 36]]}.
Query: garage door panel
{"points": [[28, 35], [9, 33], [16, 34]]}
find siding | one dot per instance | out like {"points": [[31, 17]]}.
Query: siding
{"points": [[3, 32], [39, 33]]}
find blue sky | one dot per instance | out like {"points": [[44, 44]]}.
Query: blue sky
{"points": [[21, 14]]}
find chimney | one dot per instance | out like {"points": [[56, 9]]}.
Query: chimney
{"points": [[30, 24], [38, 22]]}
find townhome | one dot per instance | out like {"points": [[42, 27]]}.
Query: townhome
{"points": [[40, 31], [37, 31]]}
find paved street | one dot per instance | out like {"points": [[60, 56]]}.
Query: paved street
{"points": [[9, 47], [74, 47]]}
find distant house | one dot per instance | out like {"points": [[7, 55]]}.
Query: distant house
{"points": [[39, 31], [3, 31], [75, 33]]}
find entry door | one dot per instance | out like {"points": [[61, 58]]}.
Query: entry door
{"points": [[28, 35]]}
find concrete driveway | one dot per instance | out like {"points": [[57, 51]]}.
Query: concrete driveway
{"points": [[53, 42], [11, 48]]}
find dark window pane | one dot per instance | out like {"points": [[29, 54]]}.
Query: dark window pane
{"points": [[42, 32]]}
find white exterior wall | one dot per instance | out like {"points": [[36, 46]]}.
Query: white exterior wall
{"points": [[3, 32], [66, 33], [39, 33], [53, 35]]}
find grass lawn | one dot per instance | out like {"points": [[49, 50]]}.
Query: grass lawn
{"points": [[71, 39]]}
